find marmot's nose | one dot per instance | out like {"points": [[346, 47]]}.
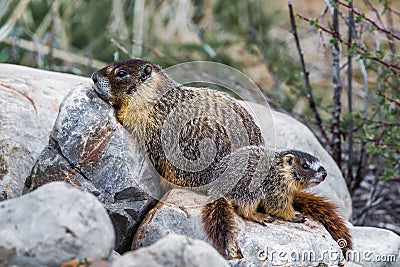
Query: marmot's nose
{"points": [[323, 171], [94, 77]]}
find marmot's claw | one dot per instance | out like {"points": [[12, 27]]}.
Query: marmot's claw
{"points": [[266, 221], [298, 218], [295, 220]]}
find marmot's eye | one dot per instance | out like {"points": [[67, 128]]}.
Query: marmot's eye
{"points": [[121, 73], [145, 72], [305, 166]]}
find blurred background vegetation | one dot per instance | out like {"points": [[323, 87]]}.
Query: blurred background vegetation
{"points": [[81, 36]]}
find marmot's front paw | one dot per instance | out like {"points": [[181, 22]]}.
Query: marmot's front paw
{"points": [[261, 218]]}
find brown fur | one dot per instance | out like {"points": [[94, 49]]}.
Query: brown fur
{"points": [[268, 185], [326, 213], [220, 218]]}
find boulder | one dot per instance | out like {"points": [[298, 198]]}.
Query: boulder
{"points": [[375, 247], [53, 224], [9, 257], [280, 243], [16, 162], [29, 100], [90, 149], [173, 250]]}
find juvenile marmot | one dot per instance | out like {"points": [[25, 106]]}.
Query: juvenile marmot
{"points": [[203, 139]]}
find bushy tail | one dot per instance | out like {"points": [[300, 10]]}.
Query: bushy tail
{"points": [[218, 219], [320, 209]]}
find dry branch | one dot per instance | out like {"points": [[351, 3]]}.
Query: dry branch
{"points": [[17, 13], [394, 68], [310, 97], [63, 55], [379, 28], [336, 142], [349, 94], [138, 20]]}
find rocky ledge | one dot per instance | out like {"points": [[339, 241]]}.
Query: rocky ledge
{"points": [[53, 127]]}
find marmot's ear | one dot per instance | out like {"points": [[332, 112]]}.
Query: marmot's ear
{"points": [[145, 72], [288, 159]]}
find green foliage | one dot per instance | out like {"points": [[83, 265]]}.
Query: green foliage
{"points": [[335, 4], [314, 22], [360, 18], [334, 41], [380, 131], [376, 126], [4, 55]]}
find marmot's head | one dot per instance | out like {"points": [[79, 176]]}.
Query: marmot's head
{"points": [[301, 168], [120, 82]]}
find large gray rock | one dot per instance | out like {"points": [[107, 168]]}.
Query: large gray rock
{"points": [[375, 247], [53, 224], [173, 250], [29, 100], [90, 149], [280, 243], [16, 163], [9, 258]]}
